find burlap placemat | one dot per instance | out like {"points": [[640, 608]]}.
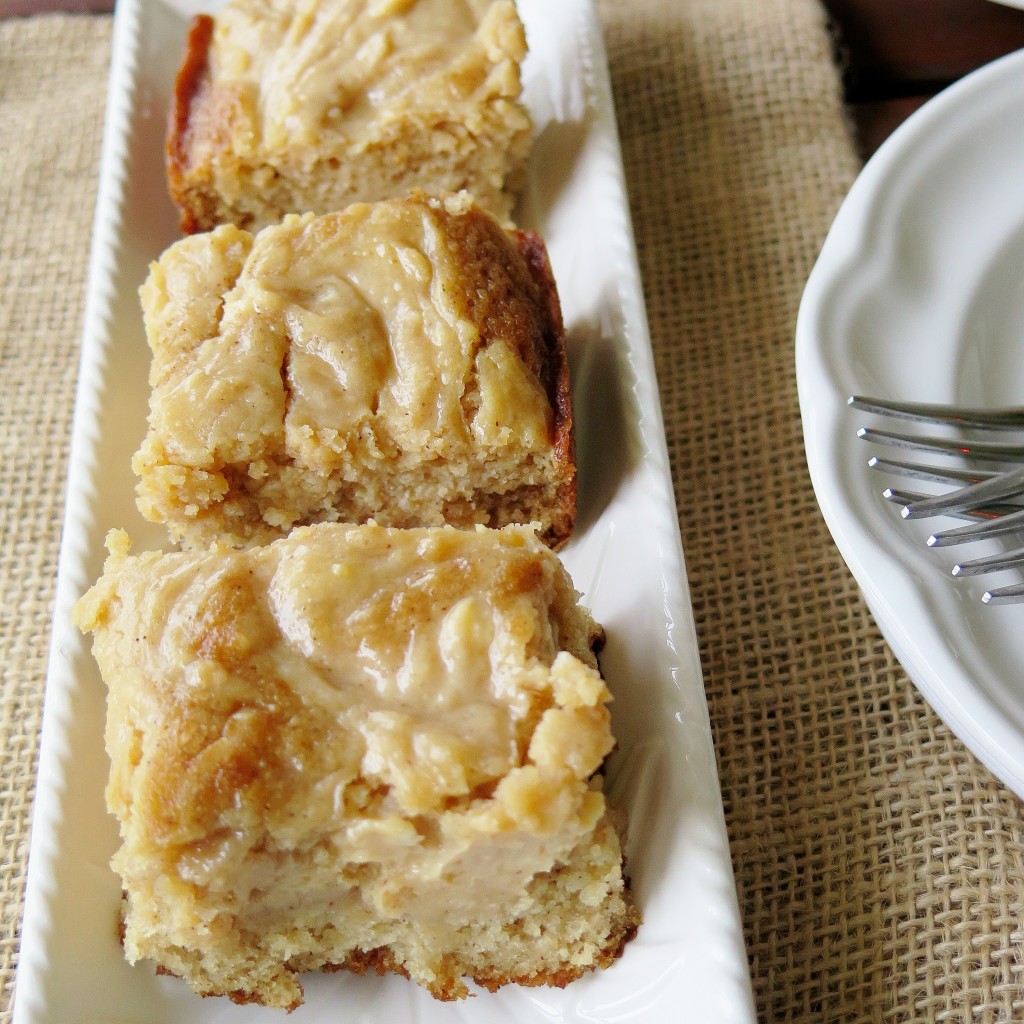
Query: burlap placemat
{"points": [[52, 87], [880, 868]]}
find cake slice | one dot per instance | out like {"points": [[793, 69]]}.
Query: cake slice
{"points": [[286, 106], [402, 361], [358, 747]]}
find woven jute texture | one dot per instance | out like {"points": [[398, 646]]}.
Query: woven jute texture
{"points": [[52, 87], [880, 869]]}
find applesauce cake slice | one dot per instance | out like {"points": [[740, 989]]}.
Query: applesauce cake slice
{"points": [[402, 361], [286, 106], [358, 747]]}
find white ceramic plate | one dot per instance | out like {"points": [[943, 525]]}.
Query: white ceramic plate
{"points": [[688, 957], [919, 294]]}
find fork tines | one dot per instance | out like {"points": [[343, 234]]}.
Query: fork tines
{"points": [[983, 495], [1010, 418]]}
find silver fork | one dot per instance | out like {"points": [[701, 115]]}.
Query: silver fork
{"points": [[984, 495]]}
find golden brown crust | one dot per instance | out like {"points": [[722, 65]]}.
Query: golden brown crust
{"points": [[191, 80], [238, 996], [556, 380], [242, 998]]}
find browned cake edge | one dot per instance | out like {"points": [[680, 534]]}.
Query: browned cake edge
{"points": [[190, 84], [556, 383]]}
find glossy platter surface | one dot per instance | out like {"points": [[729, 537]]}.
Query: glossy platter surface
{"points": [[626, 559]]}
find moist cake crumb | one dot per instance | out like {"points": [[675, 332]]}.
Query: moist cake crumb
{"points": [[358, 747], [403, 361], [285, 107]]}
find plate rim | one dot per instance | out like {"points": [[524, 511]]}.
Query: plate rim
{"points": [[992, 742]]}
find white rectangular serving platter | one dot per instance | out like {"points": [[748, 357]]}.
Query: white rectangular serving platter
{"points": [[688, 960]]}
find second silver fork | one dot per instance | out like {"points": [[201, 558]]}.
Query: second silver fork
{"points": [[984, 494]]}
